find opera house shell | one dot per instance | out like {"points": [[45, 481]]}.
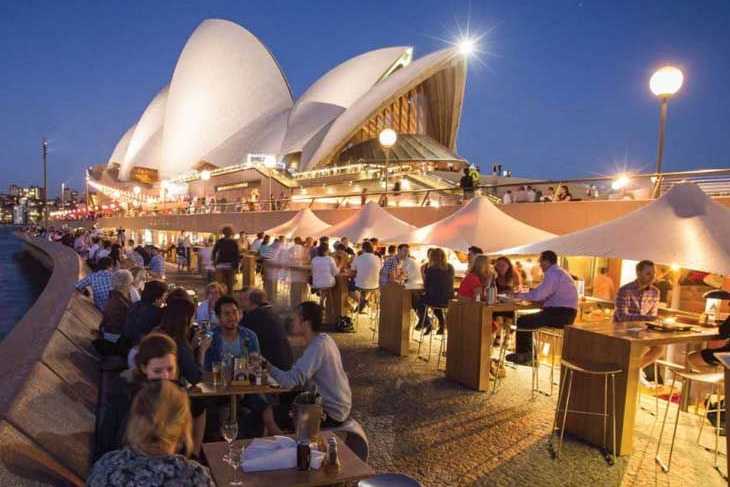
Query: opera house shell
{"points": [[228, 100]]}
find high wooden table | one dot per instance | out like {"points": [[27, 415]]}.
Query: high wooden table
{"points": [[352, 469], [469, 345], [616, 345], [394, 326], [248, 269], [205, 388], [724, 359]]}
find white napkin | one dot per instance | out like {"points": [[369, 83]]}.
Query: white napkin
{"points": [[279, 453]]}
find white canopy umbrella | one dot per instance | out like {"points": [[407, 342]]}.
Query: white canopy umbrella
{"points": [[370, 221], [683, 227], [304, 224], [479, 223]]}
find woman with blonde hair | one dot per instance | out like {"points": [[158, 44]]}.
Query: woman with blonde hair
{"points": [[477, 279], [139, 276], [159, 426], [206, 309], [438, 289]]}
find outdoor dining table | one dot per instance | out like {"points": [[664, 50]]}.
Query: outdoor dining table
{"points": [[352, 469], [394, 325], [724, 359], [620, 346], [234, 390], [469, 345]]}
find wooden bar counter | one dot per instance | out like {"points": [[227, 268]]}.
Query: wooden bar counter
{"points": [[620, 346], [395, 319], [469, 346]]}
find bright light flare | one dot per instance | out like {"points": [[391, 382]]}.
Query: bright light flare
{"points": [[467, 46], [620, 182], [205, 175], [666, 81], [387, 138]]}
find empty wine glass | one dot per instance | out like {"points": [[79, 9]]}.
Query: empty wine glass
{"points": [[235, 462], [229, 430]]}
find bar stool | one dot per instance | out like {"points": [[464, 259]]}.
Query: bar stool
{"points": [[715, 379], [546, 342], [607, 372], [374, 306], [367, 295], [667, 365], [429, 314], [504, 335]]}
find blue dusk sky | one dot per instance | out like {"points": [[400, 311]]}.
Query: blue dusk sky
{"points": [[560, 88]]}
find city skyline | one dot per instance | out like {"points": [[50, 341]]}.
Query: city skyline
{"points": [[559, 91]]}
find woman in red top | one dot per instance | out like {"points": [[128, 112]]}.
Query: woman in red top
{"points": [[478, 279]]}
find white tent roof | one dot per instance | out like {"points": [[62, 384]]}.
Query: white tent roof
{"points": [[478, 223], [304, 224], [371, 221], [683, 227]]}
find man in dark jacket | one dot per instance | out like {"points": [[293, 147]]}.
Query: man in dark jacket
{"points": [[261, 319]]}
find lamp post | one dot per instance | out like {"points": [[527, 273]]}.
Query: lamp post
{"points": [[45, 183], [664, 83], [387, 138]]}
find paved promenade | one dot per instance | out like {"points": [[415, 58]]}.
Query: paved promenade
{"points": [[442, 434]]}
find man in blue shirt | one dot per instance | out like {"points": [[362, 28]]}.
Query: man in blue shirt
{"points": [[230, 339], [100, 283], [157, 264]]}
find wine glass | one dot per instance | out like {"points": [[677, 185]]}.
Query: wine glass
{"points": [[235, 462], [229, 430]]}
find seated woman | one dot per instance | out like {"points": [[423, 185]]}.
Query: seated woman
{"points": [[156, 359], [438, 289], [159, 426], [705, 360], [508, 282], [114, 315], [324, 273], [477, 279], [320, 364], [206, 309]]}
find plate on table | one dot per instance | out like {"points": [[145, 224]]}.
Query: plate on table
{"points": [[660, 326]]}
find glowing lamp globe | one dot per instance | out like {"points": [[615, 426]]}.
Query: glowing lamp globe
{"points": [[205, 175], [666, 81], [137, 190], [387, 138]]}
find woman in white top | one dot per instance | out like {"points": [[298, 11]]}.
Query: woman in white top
{"points": [[206, 309], [324, 269], [139, 275]]}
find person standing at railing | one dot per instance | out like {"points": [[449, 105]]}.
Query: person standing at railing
{"points": [[466, 183]]}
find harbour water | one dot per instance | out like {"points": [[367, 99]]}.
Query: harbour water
{"points": [[21, 281]]}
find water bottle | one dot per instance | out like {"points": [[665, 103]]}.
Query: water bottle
{"points": [[492, 293]]}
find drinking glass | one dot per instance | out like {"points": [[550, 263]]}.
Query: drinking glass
{"points": [[229, 431], [217, 368], [235, 462]]}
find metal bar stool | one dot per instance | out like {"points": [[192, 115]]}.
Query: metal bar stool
{"points": [[547, 343], [667, 365], [428, 314], [367, 295], [374, 297], [715, 379], [607, 372], [505, 330]]}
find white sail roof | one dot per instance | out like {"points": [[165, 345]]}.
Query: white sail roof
{"points": [[394, 85], [371, 221], [479, 223], [121, 148], [224, 79], [683, 227], [145, 145], [337, 90], [304, 224]]}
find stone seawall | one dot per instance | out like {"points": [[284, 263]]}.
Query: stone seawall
{"points": [[49, 375]]}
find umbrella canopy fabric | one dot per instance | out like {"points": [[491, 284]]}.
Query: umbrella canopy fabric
{"points": [[479, 223], [304, 224], [370, 221], [683, 227]]}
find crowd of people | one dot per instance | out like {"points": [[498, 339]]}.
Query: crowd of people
{"points": [[167, 339]]}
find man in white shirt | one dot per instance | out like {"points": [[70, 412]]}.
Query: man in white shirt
{"points": [[297, 255], [507, 197], [256, 245], [205, 254], [367, 273]]}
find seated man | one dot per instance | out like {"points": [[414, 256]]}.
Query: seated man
{"points": [[705, 360], [638, 301], [100, 283], [232, 340], [559, 298], [259, 317]]}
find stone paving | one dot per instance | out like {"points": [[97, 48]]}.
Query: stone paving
{"points": [[442, 434]]}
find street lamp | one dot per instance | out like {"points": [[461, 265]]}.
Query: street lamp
{"points": [[664, 83], [45, 183], [387, 139]]}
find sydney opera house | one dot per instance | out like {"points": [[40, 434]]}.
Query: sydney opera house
{"points": [[227, 124]]}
